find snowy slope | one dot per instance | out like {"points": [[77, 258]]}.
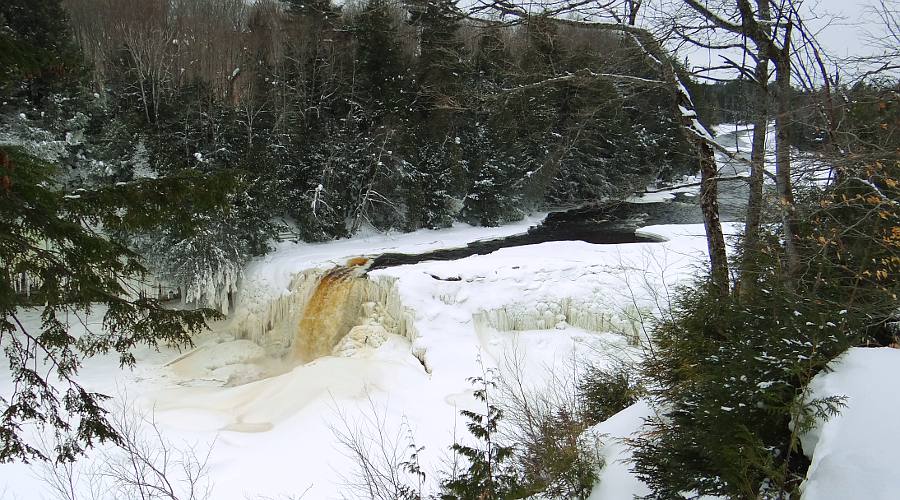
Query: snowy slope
{"points": [[855, 454], [616, 479], [544, 305]]}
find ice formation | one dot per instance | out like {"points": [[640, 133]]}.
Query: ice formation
{"points": [[558, 313], [342, 310], [321, 308]]}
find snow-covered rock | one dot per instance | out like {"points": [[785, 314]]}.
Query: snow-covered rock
{"points": [[855, 454], [616, 479]]}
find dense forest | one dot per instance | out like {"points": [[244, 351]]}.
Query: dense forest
{"points": [[328, 119]]}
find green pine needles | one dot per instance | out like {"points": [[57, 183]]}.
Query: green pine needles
{"points": [[54, 257], [490, 474]]}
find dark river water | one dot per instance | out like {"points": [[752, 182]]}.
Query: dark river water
{"points": [[611, 223], [607, 224]]}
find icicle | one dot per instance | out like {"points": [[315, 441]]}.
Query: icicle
{"points": [[585, 314], [276, 324]]}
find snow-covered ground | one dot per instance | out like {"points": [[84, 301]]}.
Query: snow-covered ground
{"points": [[543, 304], [269, 421], [854, 454], [271, 275]]}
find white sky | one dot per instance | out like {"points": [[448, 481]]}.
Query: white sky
{"points": [[847, 35], [843, 25], [845, 28]]}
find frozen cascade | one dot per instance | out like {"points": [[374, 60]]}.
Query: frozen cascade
{"points": [[322, 306], [337, 311], [557, 313]]}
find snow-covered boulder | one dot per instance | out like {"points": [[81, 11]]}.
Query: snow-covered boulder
{"points": [[856, 453]]}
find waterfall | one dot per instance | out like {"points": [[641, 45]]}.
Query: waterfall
{"points": [[550, 314], [321, 308], [329, 314]]}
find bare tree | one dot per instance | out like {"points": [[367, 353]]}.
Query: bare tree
{"points": [[752, 66], [683, 109], [771, 28], [148, 467], [757, 160], [386, 462], [144, 465]]}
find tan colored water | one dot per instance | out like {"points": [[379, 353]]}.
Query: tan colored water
{"points": [[322, 307], [332, 310]]}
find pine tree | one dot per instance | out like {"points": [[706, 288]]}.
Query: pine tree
{"points": [[496, 176], [205, 260], [50, 240], [489, 474], [427, 180], [440, 68], [380, 59], [36, 48]]}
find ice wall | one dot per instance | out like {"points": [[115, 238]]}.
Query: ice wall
{"points": [[321, 307], [558, 313], [340, 310]]}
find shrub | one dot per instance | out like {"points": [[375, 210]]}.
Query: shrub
{"points": [[603, 392], [729, 374], [560, 460], [489, 473]]}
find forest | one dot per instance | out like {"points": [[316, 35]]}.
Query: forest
{"points": [[328, 119]]}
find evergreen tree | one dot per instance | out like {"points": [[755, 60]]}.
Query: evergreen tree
{"points": [[427, 180], [36, 49], [381, 62], [496, 176], [205, 260], [440, 68], [731, 373], [50, 242], [489, 474]]}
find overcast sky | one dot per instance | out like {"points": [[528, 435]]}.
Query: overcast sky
{"points": [[847, 36], [845, 28]]}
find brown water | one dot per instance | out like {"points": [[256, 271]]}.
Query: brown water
{"points": [[331, 311], [335, 304]]}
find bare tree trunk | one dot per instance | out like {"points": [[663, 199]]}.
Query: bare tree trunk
{"points": [[783, 183], [749, 263], [749, 268], [709, 205], [633, 6], [700, 139], [764, 32]]}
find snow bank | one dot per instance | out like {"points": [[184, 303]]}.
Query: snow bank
{"points": [[272, 275], [855, 454], [616, 479], [416, 333]]}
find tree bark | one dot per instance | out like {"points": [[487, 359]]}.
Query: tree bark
{"points": [[783, 182], [749, 268], [749, 263], [709, 205], [701, 141]]}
